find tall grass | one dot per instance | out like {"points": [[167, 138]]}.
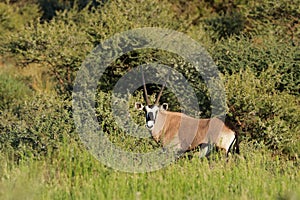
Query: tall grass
{"points": [[74, 174]]}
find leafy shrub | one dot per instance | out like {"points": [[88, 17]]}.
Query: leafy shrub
{"points": [[51, 7], [62, 43], [59, 46], [226, 25], [264, 114], [254, 45], [275, 17], [259, 54], [14, 18], [12, 91], [35, 127], [115, 132]]}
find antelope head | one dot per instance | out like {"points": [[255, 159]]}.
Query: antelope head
{"points": [[151, 110]]}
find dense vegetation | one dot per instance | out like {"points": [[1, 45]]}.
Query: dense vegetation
{"points": [[43, 44]]}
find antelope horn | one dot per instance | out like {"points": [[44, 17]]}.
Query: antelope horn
{"points": [[145, 90], [159, 95], [161, 90]]}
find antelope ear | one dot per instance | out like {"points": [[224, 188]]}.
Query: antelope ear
{"points": [[138, 106], [164, 106]]}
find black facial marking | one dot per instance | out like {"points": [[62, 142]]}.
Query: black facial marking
{"points": [[151, 116]]}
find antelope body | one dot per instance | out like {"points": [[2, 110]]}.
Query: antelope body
{"points": [[186, 133]]}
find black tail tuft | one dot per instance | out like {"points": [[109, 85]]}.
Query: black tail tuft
{"points": [[234, 146]]}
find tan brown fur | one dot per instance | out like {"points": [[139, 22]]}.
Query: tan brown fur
{"points": [[187, 133]]}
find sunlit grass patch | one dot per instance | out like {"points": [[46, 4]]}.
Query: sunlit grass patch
{"points": [[75, 174]]}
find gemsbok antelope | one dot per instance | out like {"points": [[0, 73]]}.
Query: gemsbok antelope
{"points": [[186, 133]]}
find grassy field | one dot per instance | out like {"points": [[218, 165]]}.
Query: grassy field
{"points": [[75, 174]]}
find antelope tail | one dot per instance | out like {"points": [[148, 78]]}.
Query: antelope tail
{"points": [[234, 146]]}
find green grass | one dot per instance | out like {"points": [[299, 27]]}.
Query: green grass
{"points": [[75, 174]]}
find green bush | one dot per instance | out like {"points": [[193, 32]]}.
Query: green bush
{"points": [[12, 91], [14, 18], [275, 17], [51, 7], [227, 25], [265, 115], [63, 43], [260, 53], [35, 127], [255, 45], [115, 132]]}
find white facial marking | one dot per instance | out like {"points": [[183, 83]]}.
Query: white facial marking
{"points": [[150, 124], [151, 112]]}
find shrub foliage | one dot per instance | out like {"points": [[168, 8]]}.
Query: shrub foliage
{"points": [[255, 45]]}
